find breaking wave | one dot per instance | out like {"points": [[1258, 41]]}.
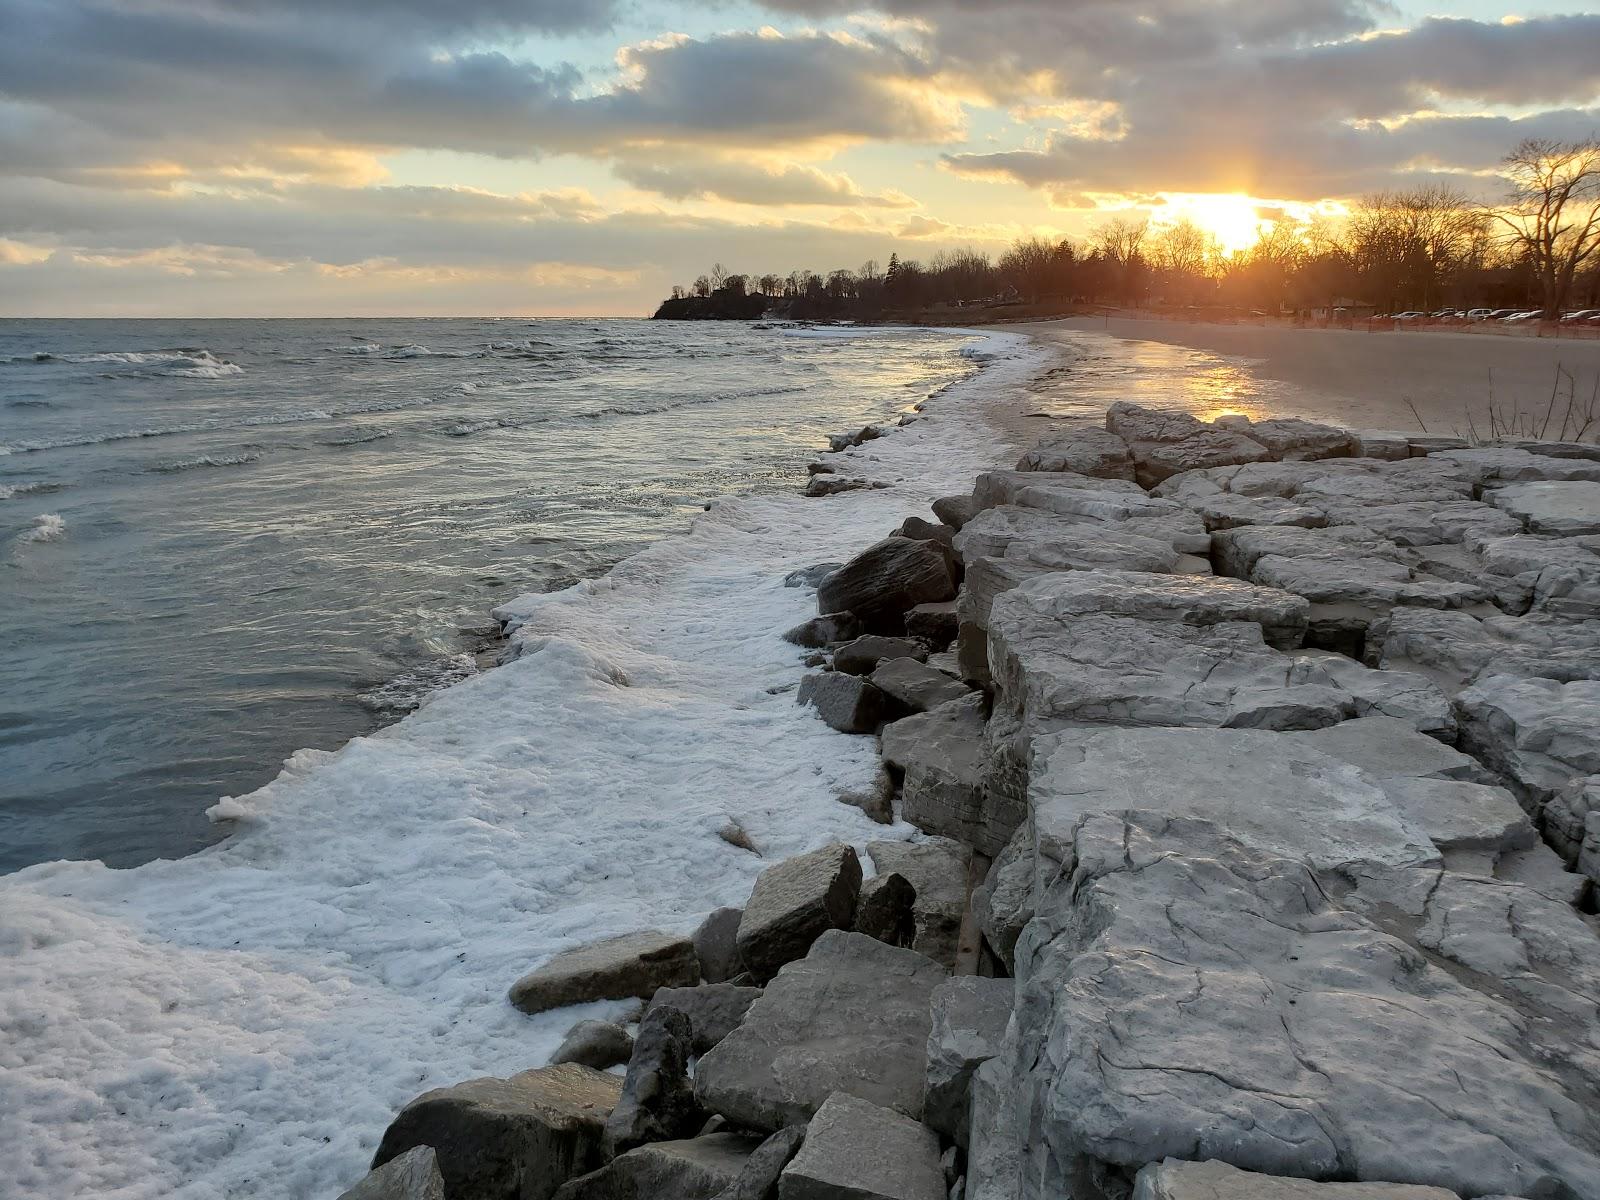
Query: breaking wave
{"points": [[47, 527]]}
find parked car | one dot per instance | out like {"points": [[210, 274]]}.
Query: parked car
{"points": [[1411, 316], [1500, 314], [1583, 314], [1480, 314], [1532, 314]]}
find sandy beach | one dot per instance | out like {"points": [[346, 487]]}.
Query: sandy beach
{"points": [[1367, 379]]}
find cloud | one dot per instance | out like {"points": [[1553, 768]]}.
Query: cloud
{"points": [[781, 185]]}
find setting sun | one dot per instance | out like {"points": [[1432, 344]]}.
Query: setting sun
{"points": [[1233, 219]]}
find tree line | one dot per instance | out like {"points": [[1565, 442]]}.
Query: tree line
{"points": [[1423, 249]]}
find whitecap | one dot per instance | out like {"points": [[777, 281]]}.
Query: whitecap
{"points": [[47, 527]]}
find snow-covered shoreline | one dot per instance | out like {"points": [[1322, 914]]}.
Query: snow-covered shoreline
{"points": [[247, 1020]]}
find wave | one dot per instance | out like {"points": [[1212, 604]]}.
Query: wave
{"points": [[359, 439], [407, 350], [186, 363], [47, 527], [9, 490], [410, 691], [205, 460], [30, 404]]}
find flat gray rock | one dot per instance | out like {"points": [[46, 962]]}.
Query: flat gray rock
{"points": [[597, 1044], [969, 1018], [1389, 746], [1539, 734], [1086, 450], [1003, 903], [716, 944], [933, 623], [1559, 509], [860, 656], [847, 703], [852, 1016], [1294, 439], [619, 968], [657, 1101], [758, 1179], [714, 1009], [414, 1175], [941, 753], [1490, 465], [937, 869], [793, 903], [1060, 542], [855, 1150], [1175, 1179], [524, 1136], [688, 1169], [914, 686], [887, 909]]}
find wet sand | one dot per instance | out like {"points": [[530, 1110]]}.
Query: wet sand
{"points": [[1368, 379]]}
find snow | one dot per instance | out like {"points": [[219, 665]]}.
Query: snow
{"points": [[247, 1020]]}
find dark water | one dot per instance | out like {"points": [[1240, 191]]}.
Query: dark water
{"points": [[222, 541]]}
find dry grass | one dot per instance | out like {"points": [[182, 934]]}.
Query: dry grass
{"points": [[1570, 414]]}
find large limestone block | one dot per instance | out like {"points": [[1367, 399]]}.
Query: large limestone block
{"points": [[1413, 522], [969, 1016], [1155, 461], [1214, 1180], [852, 1016], [1538, 733], [1003, 903], [793, 903], [1411, 698], [1238, 550], [1558, 509], [1455, 648], [941, 753], [1183, 994], [714, 1009], [1489, 465], [1224, 511], [883, 581], [1060, 542], [657, 1101], [916, 687], [1294, 439], [1136, 423], [1085, 450], [689, 1169], [994, 488], [855, 1150], [1390, 746], [937, 869], [847, 703], [1185, 599], [759, 1178], [509, 1139], [414, 1175], [631, 966], [861, 656], [1270, 792]]}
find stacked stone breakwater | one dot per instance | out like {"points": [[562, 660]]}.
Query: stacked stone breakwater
{"points": [[1258, 765]]}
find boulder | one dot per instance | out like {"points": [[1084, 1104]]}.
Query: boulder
{"points": [[714, 1009], [855, 1150], [657, 1101], [885, 580], [1175, 1179], [689, 1169], [1559, 509], [1061, 543], [1185, 984], [887, 909], [810, 576], [1456, 647], [1085, 450], [1539, 734], [843, 441], [1136, 423], [1003, 903], [793, 903], [941, 755], [631, 966], [937, 870], [847, 703], [509, 1139], [955, 511], [876, 799], [919, 530], [1291, 438], [824, 630], [758, 1180], [1225, 511], [1155, 461], [716, 944], [597, 1044], [414, 1175], [969, 1018], [994, 488], [852, 1016], [1567, 819], [915, 686], [1490, 466], [832, 485], [933, 623], [860, 656]]}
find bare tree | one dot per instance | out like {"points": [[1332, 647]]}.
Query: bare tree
{"points": [[1554, 211], [1121, 239]]}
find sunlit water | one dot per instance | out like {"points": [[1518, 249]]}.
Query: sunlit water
{"points": [[222, 541]]}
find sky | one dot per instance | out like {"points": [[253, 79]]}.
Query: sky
{"points": [[578, 157]]}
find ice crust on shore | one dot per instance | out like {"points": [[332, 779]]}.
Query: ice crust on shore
{"points": [[247, 1020]]}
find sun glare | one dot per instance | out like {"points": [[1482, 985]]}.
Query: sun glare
{"points": [[1233, 219]]}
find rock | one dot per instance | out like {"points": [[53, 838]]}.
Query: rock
{"points": [[657, 1102], [794, 902], [619, 968], [887, 909], [1567, 822], [1225, 511], [1060, 543], [885, 580], [1136, 423], [714, 1009], [847, 703], [716, 945], [843, 441], [832, 485], [955, 511], [937, 869], [1389, 747], [852, 1016], [969, 1017], [995, 488], [860, 656], [1164, 444], [810, 576], [915, 686], [877, 800], [498, 1139], [689, 1169], [919, 530], [1086, 450], [1493, 465], [820, 468], [855, 1150], [1003, 903], [1558, 509], [1237, 551], [941, 754], [413, 1175], [1456, 647], [1376, 444], [597, 1044], [933, 623], [1294, 439], [825, 630], [1175, 1179], [759, 1178], [1539, 734], [1172, 950]]}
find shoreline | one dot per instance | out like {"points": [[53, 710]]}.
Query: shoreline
{"points": [[479, 848]]}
